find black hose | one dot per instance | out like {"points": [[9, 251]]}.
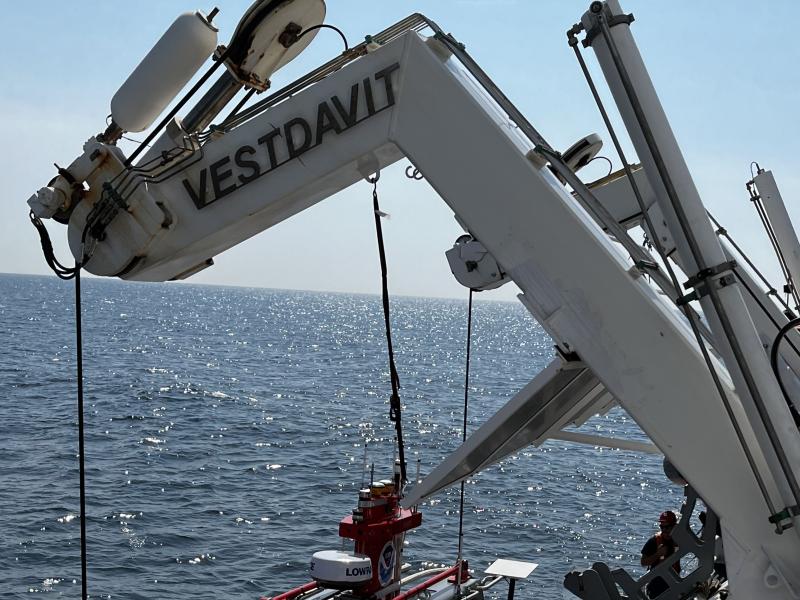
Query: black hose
{"points": [[773, 361], [60, 270], [326, 26]]}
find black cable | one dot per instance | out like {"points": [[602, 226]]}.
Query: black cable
{"points": [[773, 361], [724, 232], [81, 450], [464, 430], [773, 238], [762, 214], [60, 270], [608, 160], [176, 108], [326, 26], [67, 273], [394, 402], [239, 106], [721, 231], [763, 308], [466, 375], [690, 316], [697, 257]]}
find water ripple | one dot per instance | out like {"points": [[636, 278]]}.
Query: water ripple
{"points": [[225, 431]]}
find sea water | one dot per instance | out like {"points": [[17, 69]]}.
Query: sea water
{"points": [[225, 432]]}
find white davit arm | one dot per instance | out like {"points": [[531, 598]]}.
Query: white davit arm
{"points": [[202, 194]]}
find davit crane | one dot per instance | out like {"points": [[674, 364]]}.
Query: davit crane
{"points": [[703, 390]]}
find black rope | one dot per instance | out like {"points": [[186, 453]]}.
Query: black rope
{"points": [[464, 432], [81, 451], [394, 402]]}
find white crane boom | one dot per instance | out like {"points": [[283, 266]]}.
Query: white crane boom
{"points": [[194, 196]]}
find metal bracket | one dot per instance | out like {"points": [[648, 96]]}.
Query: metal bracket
{"points": [[104, 211], [567, 357], [700, 281], [601, 583], [703, 275], [66, 175], [612, 20], [449, 39], [787, 514], [646, 266]]}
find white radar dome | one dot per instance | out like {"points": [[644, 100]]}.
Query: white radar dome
{"points": [[340, 570], [164, 72]]}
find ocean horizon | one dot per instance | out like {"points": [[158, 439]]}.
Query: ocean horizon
{"points": [[225, 432]]}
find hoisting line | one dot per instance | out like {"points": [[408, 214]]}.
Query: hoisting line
{"points": [[67, 273], [394, 401], [81, 453], [464, 439]]}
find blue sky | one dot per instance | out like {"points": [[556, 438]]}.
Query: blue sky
{"points": [[727, 74]]}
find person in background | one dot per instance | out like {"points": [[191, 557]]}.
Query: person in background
{"points": [[657, 549]]}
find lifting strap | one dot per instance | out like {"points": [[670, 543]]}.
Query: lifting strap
{"points": [[394, 401]]}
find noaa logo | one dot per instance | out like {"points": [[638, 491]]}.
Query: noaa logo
{"points": [[386, 563]]}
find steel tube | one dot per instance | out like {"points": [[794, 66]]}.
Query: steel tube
{"points": [[294, 593], [425, 584], [212, 103], [698, 247]]}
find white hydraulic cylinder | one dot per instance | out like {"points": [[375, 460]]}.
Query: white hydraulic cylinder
{"points": [[739, 330], [780, 221], [164, 72]]}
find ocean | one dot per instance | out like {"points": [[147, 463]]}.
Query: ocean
{"points": [[225, 432]]}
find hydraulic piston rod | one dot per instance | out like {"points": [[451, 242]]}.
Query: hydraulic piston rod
{"points": [[633, 91]]}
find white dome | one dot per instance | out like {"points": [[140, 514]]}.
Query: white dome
{"points": [[343, 570]]}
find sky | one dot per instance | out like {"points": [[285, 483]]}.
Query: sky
{"points": [[726, 73]]}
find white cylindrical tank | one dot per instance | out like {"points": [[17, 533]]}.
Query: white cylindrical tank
{"points": [[781, 223], [164, 72]]}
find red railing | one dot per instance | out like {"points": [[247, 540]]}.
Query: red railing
{"points": [[427, 583], [311, 585]]}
